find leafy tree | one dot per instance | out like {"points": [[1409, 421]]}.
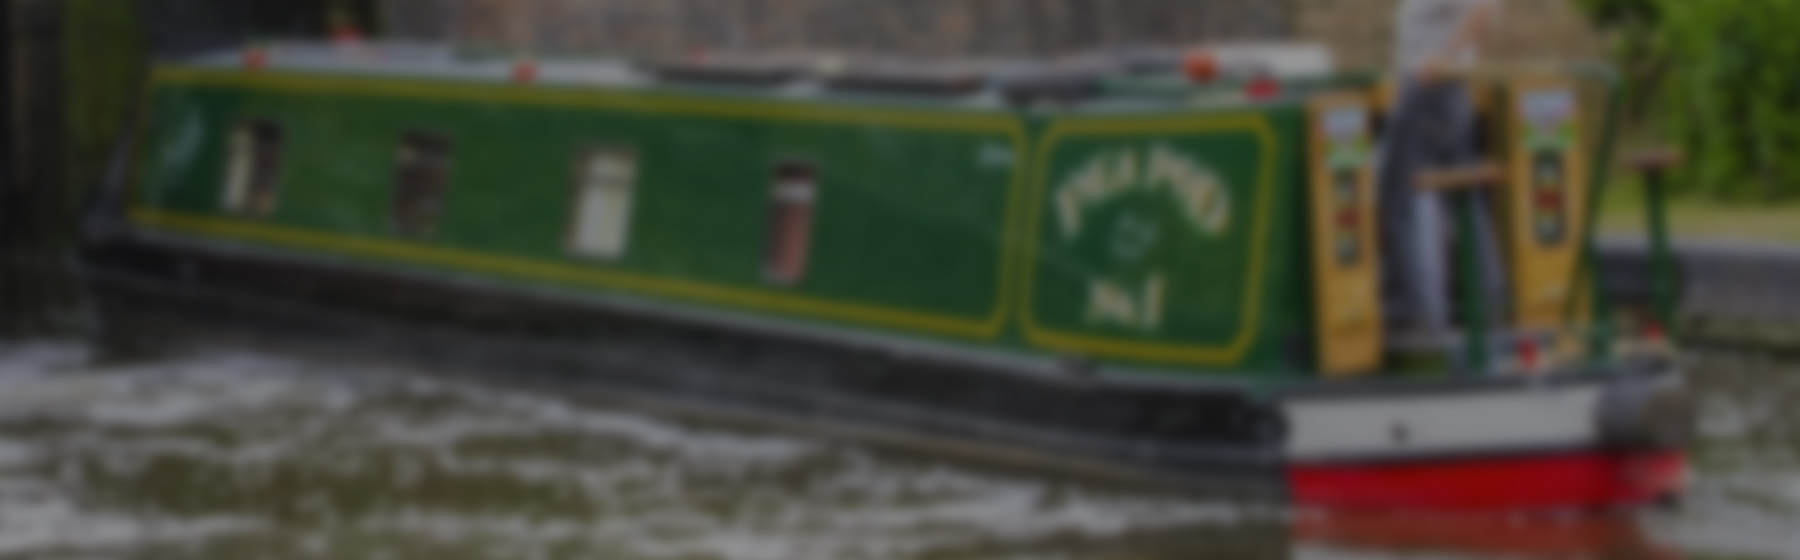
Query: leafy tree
{"points": [[1613, 13], [1716, 76]]}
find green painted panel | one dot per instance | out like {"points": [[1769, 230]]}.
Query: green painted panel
{"points": [[912, 217], [1286, 327], [1145, 237], [908, 218], [180, 134], [1166, 239]]}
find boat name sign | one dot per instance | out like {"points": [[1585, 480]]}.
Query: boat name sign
{"points": [[1124, 195]]}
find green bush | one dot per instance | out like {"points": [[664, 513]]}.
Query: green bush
{"points": [[1717, 77], [103, 69]]}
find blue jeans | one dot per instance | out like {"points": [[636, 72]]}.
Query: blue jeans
{"points": [[1431, 127]]}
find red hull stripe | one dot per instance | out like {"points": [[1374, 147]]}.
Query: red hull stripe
{"points": [[1586, 480]]}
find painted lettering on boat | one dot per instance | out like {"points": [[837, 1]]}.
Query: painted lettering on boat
{"points": [[1124, 305], [1134, 186]]}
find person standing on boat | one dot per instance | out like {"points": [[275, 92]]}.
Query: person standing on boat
{"points": [[1433, 125]]}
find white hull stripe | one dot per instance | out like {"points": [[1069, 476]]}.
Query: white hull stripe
{"points": [[1397, 427]]}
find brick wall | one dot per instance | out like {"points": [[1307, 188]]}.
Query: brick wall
{"points": [[1360, 32], [921, 27]]}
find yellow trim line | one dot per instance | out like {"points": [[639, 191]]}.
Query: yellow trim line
{"points": [[988, 327], [547, 271]]}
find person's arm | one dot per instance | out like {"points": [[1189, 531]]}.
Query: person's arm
{"points": [[1471, 33]]}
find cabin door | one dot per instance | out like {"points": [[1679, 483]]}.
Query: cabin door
{"points": [[1544, 199], [1345, 255]]}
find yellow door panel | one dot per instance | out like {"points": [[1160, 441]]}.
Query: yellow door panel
{"points": [[1544, 200], [1345, 256]]}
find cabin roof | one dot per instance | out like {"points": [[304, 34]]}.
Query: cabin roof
{"points": [[972, 83]]}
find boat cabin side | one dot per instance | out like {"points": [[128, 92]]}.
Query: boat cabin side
{"points": [[1129, 219]]}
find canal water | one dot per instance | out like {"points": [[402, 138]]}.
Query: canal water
{"points": [[233, 454]]}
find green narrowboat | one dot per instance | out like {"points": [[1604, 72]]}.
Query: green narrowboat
{"points": [[1109, 259]]}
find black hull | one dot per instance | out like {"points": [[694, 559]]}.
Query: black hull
{"points": [[1370, 443], [1211, 437]]}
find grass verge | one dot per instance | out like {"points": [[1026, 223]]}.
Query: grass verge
{"points": [[1622, 214]]}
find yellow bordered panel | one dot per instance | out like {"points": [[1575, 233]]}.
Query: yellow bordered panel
{"points": [[1544, 199], [1224, 352], [1346, 258], [988, 327]]}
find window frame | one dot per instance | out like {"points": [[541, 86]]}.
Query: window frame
{"points": [[432, 144], [252, 184], [579, 187], [777, 249]]}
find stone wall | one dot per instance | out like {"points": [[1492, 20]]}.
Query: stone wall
{"points": [[1360, 32], [920, 27]]}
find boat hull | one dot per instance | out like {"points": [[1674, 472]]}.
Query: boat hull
{"points": [[1595, 479], [1464, 445], [1603, 441]]}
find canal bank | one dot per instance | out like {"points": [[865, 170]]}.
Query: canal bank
{"points": [[1737, 293]]}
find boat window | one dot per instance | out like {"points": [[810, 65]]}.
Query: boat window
{"points": [[422, 171], [254, 163], [793, 197], [604, 183]]}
